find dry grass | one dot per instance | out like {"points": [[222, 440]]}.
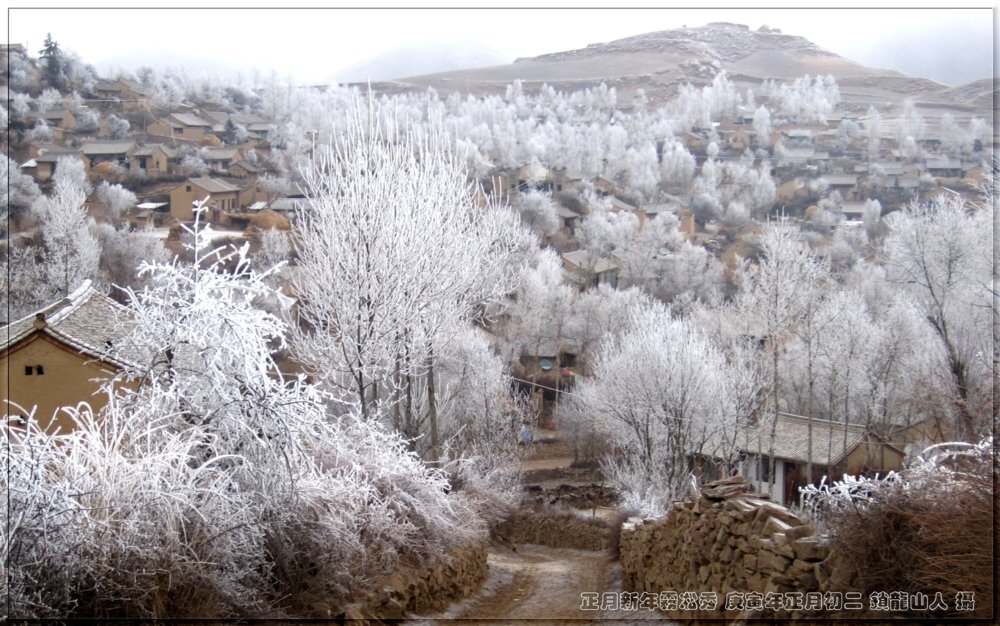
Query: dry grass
{"points": [[930, 535]]}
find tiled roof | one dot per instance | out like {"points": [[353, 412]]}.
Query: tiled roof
{"points": [[221, 154], [213, 185], [586, 261], [831, 441], [55, 155], [86, 320], [107, 147], [147, 150], [841, 179], [190, 119]]}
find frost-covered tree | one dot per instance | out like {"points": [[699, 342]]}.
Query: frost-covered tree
{"points": [[18, 188], [216, 484], [87, 121], [662, 393], [117, 127], [394, 256], [873, 125], [605, 233], [122, 252], [941, 256], [778, 297], [538, 212], [41, 132], [275, 248], [539, 313], [192, 165], [677, 165], [71, 252], [118, 198], [762, 125]]}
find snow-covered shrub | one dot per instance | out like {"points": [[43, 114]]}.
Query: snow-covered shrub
{"points": [[211, 485]]}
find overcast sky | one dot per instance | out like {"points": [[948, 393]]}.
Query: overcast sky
{"points": [[952, 46]]}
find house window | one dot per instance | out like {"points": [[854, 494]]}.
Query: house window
{"points": [[187, 188], [764, 469], [33, 370], [38, 370], [28, 370], [142, 163]]}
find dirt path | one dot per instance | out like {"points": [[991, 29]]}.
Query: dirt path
{"points": [[541, 584]]}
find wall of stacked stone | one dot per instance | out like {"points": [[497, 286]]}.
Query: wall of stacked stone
{"points": [[729, 541], [424, 590], [556, 529]]}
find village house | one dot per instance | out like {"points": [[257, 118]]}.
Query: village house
{"points": [[134, 95], [853, 211], [181, 126], [844, 184], [60, 356], [43, 166], [221, 196], [834, 448], [220, 159], [586, 269], [943, 167], [107, 152], [60, 118], [109, 93], [245, 169], [153, 160]]}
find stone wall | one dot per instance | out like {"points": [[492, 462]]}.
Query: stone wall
{"points": [[423, 590], [729, 541], [556, 529]]}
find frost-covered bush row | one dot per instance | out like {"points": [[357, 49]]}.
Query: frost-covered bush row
{"points": [[926, 527], [211, 486], [940, 469]]}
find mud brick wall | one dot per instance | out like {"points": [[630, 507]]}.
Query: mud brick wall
{"points": [[422, 590], [727, 541]]}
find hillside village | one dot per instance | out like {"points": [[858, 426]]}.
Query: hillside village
{"points": [[625, 261]]}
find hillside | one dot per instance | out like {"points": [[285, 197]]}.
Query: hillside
{"points": [[658, 62]]}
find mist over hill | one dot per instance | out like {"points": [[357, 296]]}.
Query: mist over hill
{"points": [[658, 62], [412, 60]]}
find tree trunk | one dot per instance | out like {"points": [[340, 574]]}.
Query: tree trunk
{"points": [[434, 455]]}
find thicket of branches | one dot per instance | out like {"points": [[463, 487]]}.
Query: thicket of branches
{"points": [[926, 529], [210, 485]]}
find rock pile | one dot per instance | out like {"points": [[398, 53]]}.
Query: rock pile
{"points": [[729, 543]]}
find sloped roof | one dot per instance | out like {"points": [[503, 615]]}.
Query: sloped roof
{"points": [[55, 114], [148, 150], [221, 154], [103, 85], [841, 179], [107, 147], [54, 155], [216, 116], [85, 320], [190, 119], [587, 261], [248, 166], [831, 441], [213, 185]]}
